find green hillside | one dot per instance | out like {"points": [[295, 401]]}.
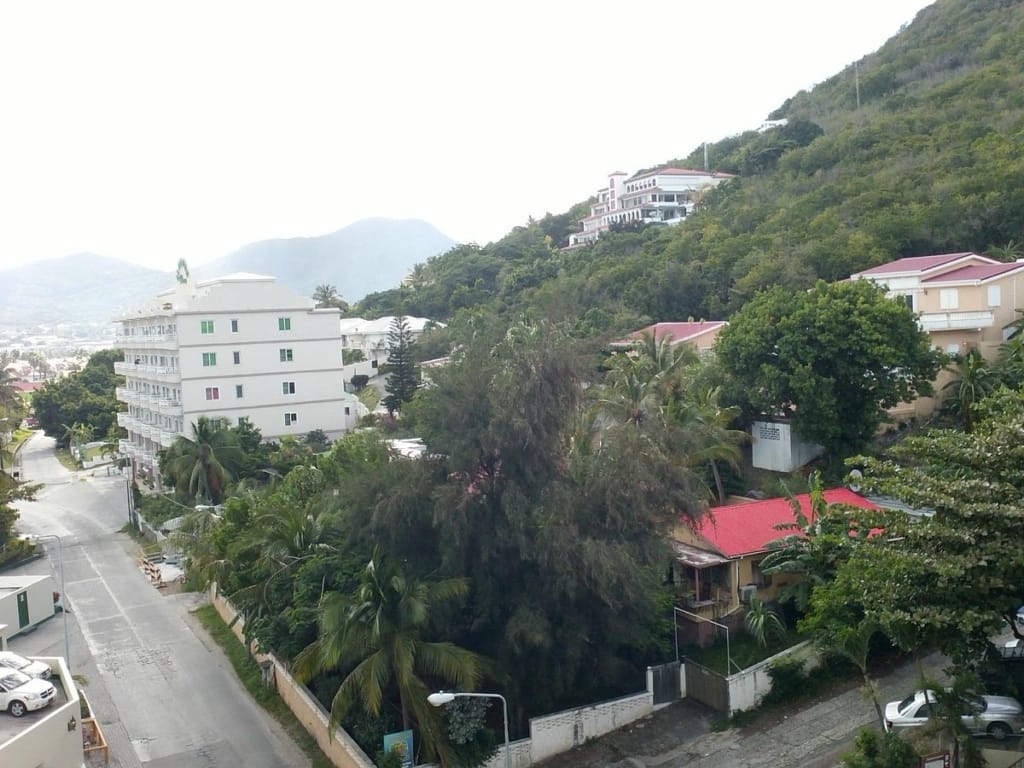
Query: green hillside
{"points": [[930, 161]]}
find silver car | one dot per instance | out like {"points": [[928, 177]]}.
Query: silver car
{"points": [[38, 669], [995, 716]]}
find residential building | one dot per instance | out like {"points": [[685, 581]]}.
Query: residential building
{"points": [[964, 301], [661, 196], [700, 336], [239, 346], [371, 336], [717, 567]]}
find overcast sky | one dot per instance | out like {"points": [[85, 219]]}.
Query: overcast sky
{"points": [[147, 131]]}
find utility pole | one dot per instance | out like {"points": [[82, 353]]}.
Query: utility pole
{"points": [[856, 82], [705, 155]]}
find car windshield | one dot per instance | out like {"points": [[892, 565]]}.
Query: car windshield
{"points": [[906, 702], [13, 679], [16, 662]]}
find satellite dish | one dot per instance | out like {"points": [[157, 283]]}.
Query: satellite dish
{"points": [[853, 480]]}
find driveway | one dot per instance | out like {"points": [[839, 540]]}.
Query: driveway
{"points": [[165, 695]]}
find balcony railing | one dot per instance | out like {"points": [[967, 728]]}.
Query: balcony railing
{"points": [[956, 321], [147, 341], [138, 370]]}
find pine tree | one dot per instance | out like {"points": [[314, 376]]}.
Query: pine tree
{"points": [[404, 379]]}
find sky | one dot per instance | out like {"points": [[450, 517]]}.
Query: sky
{"points": [[149, 131]]}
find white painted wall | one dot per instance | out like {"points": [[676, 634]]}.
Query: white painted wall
{"points": [[46, 739], [40, 591], [559, 732], [776, 446], [749, 687]]}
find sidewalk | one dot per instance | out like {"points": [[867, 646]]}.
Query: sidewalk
{"points": [[813, 737]]}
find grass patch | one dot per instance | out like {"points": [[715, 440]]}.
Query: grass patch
{"points": [[249, 674], [369, 396], [64, 457], [744, 651]]}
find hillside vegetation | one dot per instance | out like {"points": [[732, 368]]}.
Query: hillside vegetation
{"points": [[932, 161]]}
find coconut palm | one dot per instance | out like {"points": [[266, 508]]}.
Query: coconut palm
{"points": [[202, 464], [376, 637], [326, 295], [705, 424], [975, 380]]}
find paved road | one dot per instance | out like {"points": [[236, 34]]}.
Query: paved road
{"points": [[164, 693]]}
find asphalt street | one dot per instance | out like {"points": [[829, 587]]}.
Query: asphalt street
{"points": [[163, 692]]}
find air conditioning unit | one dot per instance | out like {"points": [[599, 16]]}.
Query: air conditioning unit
{"points": [[746, 592]]}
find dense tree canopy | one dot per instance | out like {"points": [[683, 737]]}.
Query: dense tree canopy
{"points": [[832, 359], [85, 397]]}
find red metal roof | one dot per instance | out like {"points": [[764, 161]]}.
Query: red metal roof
{"points": [[742, 529], [975, 272], [679, 332], [920, 263]]}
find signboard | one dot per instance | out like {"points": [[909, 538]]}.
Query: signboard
{"points": [[937, 760], [401, 744]]}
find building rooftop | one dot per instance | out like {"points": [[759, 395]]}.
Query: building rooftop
{"points": [[976, 272], [678, 332], [742, 529], [917, 264]]}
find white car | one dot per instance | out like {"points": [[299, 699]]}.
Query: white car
{"points": [[38, 669], [995, 716], [20, 693]]}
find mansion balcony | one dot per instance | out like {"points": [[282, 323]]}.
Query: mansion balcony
{"points": [[956, 320]]}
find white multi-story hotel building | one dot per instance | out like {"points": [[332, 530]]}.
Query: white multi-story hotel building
{"points": [[237, 346], [662, 196]]}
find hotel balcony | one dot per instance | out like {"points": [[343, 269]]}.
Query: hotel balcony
{"points": [[956, 320], [169, 407], [167, 438], [147, 341], [139, 371]]}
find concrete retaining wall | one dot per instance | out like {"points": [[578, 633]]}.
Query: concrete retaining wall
{"points": [[552, 734], [749, 687]]}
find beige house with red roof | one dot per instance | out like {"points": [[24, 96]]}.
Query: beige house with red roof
{"points": [[963, 300], [717, 561], [661, 196], [700, 336]]}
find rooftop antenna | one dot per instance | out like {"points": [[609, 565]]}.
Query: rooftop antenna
{"points": [[705, 155]]}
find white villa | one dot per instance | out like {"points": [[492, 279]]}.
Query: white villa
{"points": [[233, 347], [661, 196], [371, 336]]}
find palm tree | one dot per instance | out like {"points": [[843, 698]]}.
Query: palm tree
{"points": [[975, 381], [326, 295], [376, 637], [764, 624], [706, 425], [203, 463]]}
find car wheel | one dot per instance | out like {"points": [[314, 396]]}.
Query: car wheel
{"points": [[999, 731], [17, 708]]}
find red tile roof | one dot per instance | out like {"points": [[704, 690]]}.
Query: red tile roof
{"points": [[920, 263], [679, 332], [976, 272], [742, 529]]}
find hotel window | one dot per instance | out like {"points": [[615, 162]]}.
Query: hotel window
{"points": [[286, 355], [238, 391], [206, 327], [291, 418], [284, 323], [234, 326], [213, 393], [209, 359], [994, 298], [949, 298], [287, 387], [237, 357]]}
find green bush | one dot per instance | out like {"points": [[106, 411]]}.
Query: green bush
{"points": [[789, 680], [892, 752]]}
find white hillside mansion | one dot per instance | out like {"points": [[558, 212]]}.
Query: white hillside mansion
{"points": [[371, 336], [239, 346], [661, 196]]}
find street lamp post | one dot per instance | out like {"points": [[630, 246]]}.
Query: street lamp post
{"points": [[63, 592], [443, 697]]}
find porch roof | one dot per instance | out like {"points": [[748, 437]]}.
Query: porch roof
{"points": [[696, 557]]}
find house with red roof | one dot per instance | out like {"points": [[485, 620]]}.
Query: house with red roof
{"points": [[963, 300], [700, 336], [717, 560]]}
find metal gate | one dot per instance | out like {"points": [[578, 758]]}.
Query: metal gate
{"points": [[706, 686], [666, 682]]}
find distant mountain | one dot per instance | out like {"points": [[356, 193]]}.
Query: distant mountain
{"points": [[367, 256], [86, 290], [83, 290]]}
